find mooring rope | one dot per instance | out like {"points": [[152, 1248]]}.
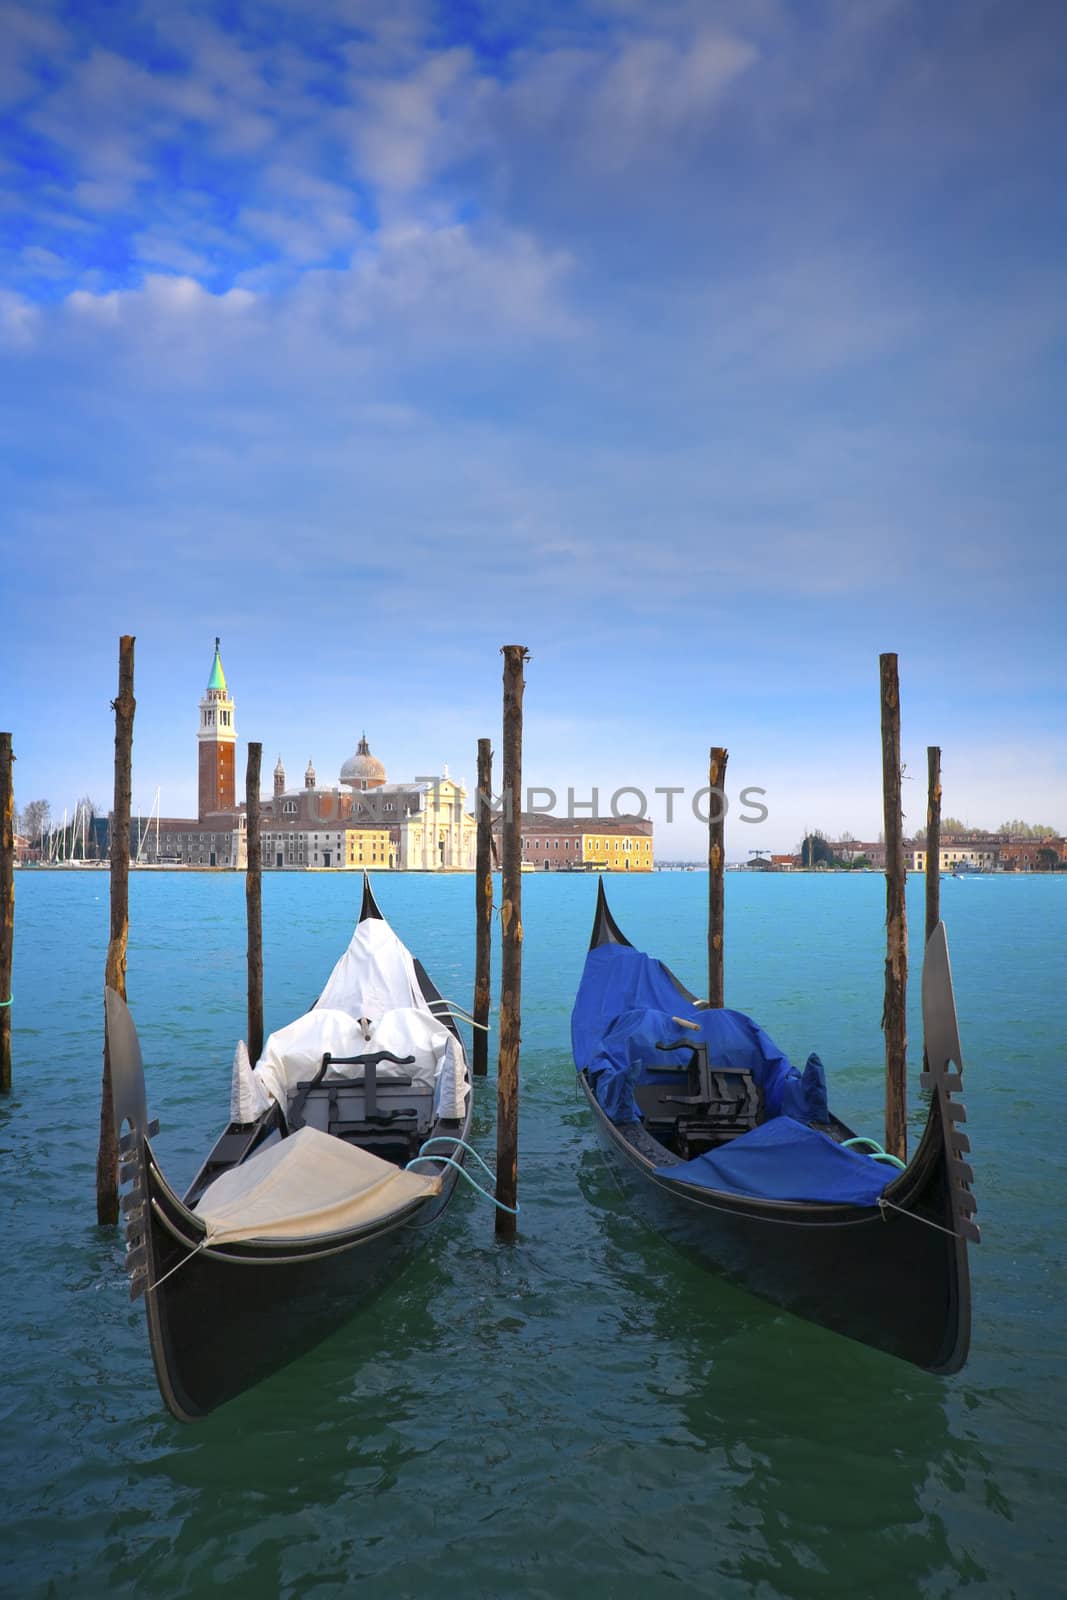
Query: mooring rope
{"points": [[184, 1262], [884, 1204], [458, 1144], [875, 1152], [447, 1161], [8, 1002], [458, 1011]]}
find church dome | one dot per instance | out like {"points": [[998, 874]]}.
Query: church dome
{"points": [[363, 771]]}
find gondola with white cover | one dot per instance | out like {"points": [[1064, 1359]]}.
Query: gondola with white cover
{"points": [[306, 1204]]}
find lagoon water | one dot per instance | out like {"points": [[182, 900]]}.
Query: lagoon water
{"points": [[585, 1413]]}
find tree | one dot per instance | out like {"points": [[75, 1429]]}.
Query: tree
{"points": [[1028, 830], [1048, 857], [815, 851], [35, 820], [954, 825]]}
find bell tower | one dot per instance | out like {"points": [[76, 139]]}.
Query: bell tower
{"points": [[217, 740]]}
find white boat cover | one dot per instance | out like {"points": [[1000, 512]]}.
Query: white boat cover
{"points": [[375, 974], [371, 1002], [248, 1095], [294, 1053], [307, 1186]]}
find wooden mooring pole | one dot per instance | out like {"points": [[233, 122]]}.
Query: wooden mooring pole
{"points": [[7, 905], [933, 838], [483, 908], [716, 872], [507, 1080], [894, 1013], [254, 903], [107, 1159]]}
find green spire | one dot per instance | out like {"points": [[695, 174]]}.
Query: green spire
{"points": [[217, 679]]}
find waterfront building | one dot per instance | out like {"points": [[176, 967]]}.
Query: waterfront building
{"points": [[291, 846], [589, 844], [424, 823], [1034, 855], [213, 841], [979, 855], [969, 852]]}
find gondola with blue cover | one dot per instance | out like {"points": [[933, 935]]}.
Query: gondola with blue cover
{"points": [[733, 1154]]}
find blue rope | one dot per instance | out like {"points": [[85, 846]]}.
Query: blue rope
{"points": [[447, 1161], [458, 1144], [9, 1001], [875, 1152]]}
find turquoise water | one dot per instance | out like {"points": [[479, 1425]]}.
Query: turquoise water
{"points": [[585, 1413]]}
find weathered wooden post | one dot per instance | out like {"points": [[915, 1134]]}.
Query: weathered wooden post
{"points": [[254, 903], [107, 1159], [716, 872], [933, 838], [507, 1072], [483, 908], [7, 905], [894, 1013]]}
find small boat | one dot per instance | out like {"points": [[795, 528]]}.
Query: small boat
{"points": [[343, 1149], [733, 1154]]}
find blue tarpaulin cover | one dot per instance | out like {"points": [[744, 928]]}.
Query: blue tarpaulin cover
{"points": [[785, 1160], [624, 1008]]}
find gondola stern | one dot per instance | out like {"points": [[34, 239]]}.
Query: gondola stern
{"points": [[129, 1105], [133, 1130], [943, 1076]]}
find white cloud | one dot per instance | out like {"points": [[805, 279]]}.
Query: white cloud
{"points": [[620, 106], [18, 319], [406, 128]]}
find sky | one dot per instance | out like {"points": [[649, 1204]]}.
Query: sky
{"points": [[706, 349]]}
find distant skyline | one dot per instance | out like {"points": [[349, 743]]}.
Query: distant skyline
{"points": [[707, 349]]}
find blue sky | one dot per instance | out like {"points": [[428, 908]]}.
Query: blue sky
{"points": [[707, 349]]}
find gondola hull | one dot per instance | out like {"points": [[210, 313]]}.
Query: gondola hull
{"points": [[221, 1320], [881, 1277]]}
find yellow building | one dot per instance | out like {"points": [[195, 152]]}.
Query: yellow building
{"points": [[368, 847], [979, 857], [617, 852]]}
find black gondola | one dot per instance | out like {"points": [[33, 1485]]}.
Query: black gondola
{"points": [[700, 1150], [302, 1211]]}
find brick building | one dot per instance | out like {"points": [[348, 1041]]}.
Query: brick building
{"points": [[589, 844]]}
